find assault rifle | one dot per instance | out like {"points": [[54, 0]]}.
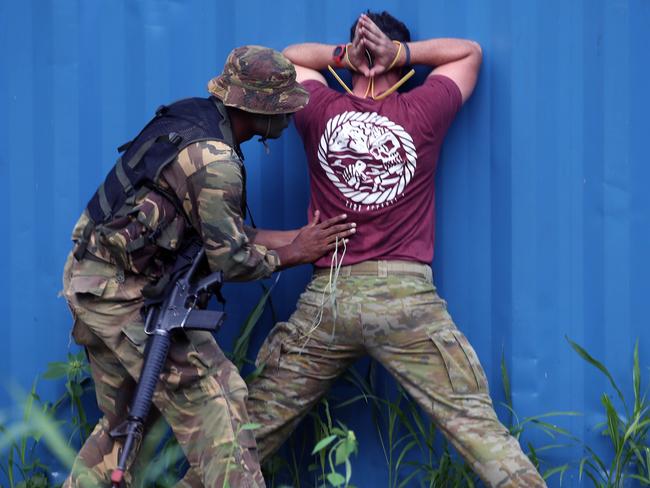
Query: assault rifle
{"points": [[173, 310]]}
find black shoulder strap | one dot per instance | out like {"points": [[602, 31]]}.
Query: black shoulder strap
{"points": [[173, 128]]}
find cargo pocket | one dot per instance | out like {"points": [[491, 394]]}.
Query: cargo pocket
{"points": [[462, 366], [83, 336], [88, 277], [271, 351], [136, 335], [92, 279]]}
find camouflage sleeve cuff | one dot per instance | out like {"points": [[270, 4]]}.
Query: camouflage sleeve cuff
{"points": [[251, 232]]}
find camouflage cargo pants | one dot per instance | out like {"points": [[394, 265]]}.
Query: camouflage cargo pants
{"points": [[201, 394], [391, 311]]}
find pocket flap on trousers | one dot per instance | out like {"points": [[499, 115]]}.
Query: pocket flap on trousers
{"points": [[88, 276], [95, 285], [462, 365]]}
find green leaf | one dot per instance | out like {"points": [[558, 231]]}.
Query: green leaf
{"points": [[344, 450], [323, 443], [612, 423], [335, 479], [505, 378], [593, 479], [558, 469], [642, 479], [240, 349], [328, 415], [348, 471], [254, 374], [54, 439], [636, 378], [403, 453], [405, 481], [597, 364], [56, 370], [599, 467], [354, 399], [75, 389], [250, 426]]}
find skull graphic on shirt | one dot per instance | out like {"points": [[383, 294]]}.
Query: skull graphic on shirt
{"points": [[369, 158]]}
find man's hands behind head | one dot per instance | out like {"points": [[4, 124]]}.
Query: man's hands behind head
{"points": [[358, 56], [369, 39]]}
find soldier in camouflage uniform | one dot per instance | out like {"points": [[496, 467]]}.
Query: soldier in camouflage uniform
{"points": [[374, 151], [200, 393]]}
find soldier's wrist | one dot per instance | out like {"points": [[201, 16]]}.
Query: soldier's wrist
{"points": [[289, 256]]}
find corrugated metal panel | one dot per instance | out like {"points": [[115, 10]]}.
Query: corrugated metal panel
{"points": [[543, 210]]}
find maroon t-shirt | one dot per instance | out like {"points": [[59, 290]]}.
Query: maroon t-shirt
{"points": [[375, 161]]}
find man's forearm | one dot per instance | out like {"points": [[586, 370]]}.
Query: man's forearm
{"points": [[430, 52], [310, 55], [437, 52]]}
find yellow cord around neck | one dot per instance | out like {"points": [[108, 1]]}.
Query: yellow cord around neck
{"points": [[371, 85]]}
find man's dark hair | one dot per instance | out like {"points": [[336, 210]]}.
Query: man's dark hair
{"points": [[389, 25]]}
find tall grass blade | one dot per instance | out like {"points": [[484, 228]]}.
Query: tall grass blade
{"points": [[636, 378], [240, 349], [597, 364]]}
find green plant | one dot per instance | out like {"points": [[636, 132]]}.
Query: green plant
{"points": [[278, 468], [19, 445], [401, 428], [76, 373], [160, 461], [403, 432], [21, 440], [160, 452], [627, 431], [336, 446], [233, 445], [239, 353], [389, 418]]}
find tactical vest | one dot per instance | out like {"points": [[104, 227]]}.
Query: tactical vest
{"points": [[137, 170]]}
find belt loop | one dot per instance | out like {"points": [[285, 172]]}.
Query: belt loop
{"points": [[382, 269], [429, 274]]}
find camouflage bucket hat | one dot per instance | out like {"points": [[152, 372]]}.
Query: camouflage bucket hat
{"points": [[260, 80]]}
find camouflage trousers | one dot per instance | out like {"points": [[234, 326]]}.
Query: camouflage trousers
{"points": [[391, 311], [200, 393]]}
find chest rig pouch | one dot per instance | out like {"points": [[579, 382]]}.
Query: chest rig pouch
{"points": [[115, 207]]}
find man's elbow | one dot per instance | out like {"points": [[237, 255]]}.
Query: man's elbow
{"points": [[476, 51], [290, 52]]}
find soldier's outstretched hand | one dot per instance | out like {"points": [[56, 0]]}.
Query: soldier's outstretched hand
{"points": [[318, 238]]}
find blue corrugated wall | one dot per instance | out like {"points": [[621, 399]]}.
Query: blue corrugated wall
{"points": [[543, 202]]}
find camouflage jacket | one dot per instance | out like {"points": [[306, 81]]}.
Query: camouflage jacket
{"points": [[208, 179]]}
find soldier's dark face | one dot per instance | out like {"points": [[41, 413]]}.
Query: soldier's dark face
{"points": [[271, 126], [278, 124]]}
